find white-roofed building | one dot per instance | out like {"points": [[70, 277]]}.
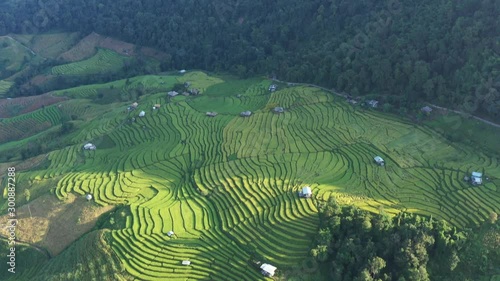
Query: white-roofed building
{"points": [[268, 270], [379, 160], [306, 192], [89, 146], [476, 178], [142, 114]]}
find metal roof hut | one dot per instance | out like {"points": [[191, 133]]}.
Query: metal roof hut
{"points": [[373, 103], [211, 114], [186, 262], [170, 233], [134, 105], [89, 146], [476, 178], [306, 192], [379, 160], [182, 71], [156, 106], [272, 88], [88, 196], [279, 109], [246, 113], [426, 109], [142, 114], [267, 270], [172, 94]]}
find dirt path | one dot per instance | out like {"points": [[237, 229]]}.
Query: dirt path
{"points": [[432, 105]]}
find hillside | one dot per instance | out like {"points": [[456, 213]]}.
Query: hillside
{"points": [[227, 186], [401, 51]]}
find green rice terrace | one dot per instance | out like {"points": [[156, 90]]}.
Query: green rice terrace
{"points": [[227, 186]]}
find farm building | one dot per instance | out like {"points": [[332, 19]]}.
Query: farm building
{"points": [[182, 71], [246, 113], [372, 103], [476, 178], [306, 192], [267, 270], [194, 91], [272, 88], [211, 114], [279, 109], [142, 113], [379, 160], [134, 105], [172, 94], [186, 262], [156, 106], [88, 197], [89, 146], [426, 109], [170, 233]]}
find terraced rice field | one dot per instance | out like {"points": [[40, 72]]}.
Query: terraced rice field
{"points": [[227, 186], [4, 87], [103, 61]]}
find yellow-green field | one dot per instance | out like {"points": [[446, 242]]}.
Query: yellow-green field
{"points": [[227, 186]]}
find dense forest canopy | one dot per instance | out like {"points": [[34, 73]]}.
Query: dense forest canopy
{"points": [[402, 51], [362, 246]]}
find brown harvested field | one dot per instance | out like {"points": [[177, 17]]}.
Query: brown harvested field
{"points": [[24, 165], [17, 106], [87, 48], [37, 81], [83, 49], [53, 224]]}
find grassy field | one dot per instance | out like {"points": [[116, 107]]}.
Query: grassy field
{"points": [[13, 56], [227, 186], [49, 45], [103, 61]]}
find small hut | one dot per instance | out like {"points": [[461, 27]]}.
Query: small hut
{"points": [[372, 103], [89, 146], [246, 113], [182, 71], [279, 109], [306, 192], [186, 262], [267, 270], [88, 196], [211, 113], [156, 106], [172, 94], [476, 178], [379, 160], [272, 88], [170, 233], [142, 114], [426, 109]]}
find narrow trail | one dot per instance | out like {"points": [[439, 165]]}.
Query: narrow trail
{"points": [[430, 104]]}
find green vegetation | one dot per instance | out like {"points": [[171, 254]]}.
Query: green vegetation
{"points": [[103, 61], [357, 245], [227, 186], [447, 54], [4, 87]]}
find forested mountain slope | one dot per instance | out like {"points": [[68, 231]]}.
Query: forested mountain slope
{"points": [[402, 51]]}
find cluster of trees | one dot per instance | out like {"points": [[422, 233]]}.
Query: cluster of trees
{"points": [[359, 245], [443, 51]]}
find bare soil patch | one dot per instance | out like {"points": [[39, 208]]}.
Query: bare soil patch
{"points": [[53, 224]]}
